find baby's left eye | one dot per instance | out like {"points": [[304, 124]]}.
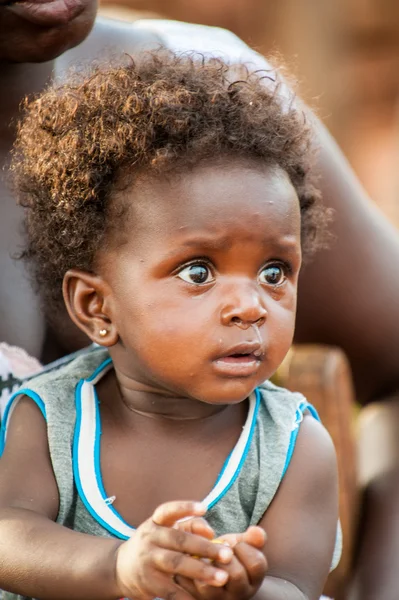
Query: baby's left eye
{"points": [[273, 275], [197, 274]]}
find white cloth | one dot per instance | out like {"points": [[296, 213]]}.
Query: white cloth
{"points": [[218, 43], [15, 365]]}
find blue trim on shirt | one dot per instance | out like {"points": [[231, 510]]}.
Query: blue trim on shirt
{"points": [[22, 392], [104, 364], [226, 462], [311, 409], [97, 461], [244, 454], [60, 362], [304, 406], [78, 483]]}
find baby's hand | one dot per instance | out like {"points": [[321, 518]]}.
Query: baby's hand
{"points": [[254, 536], [147, 565], [246, 570], [196, 525]]}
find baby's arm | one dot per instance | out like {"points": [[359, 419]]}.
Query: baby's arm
{"points": [[30, 542], [42, 559], [301, 523]]}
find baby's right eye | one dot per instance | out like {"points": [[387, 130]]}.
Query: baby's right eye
{"points": [[197, 274]]}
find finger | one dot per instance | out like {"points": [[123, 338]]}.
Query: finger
{"points": [[196, 525], [207, 592], [238, 583], [188, 543], [253, 561], [163, 586], [255, 536], [230, 539], [187, 584], [177, 563], [167, 514]]}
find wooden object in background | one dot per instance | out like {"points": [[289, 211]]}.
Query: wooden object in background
{"points": [[322, 374]]}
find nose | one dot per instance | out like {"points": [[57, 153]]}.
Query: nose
{"points": [[244, 307]]}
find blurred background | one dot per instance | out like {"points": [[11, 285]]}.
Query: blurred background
{"points": [[345, 55]]}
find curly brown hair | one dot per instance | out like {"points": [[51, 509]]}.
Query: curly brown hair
{"points": [[79, 139]]}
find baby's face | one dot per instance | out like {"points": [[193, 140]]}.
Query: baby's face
{"points": [[204, 287]]}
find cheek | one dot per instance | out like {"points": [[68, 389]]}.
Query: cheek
{"points": [[168, 340], [281, 327], [156, 313]]}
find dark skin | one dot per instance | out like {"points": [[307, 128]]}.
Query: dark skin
{"points": [[227, 291], [353, 306]]}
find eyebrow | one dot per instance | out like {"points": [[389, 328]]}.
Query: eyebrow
{"points": [[289, 244], [209, 243]]}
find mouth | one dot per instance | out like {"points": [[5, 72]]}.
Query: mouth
{"points": [[242, 360], [52, 13]]}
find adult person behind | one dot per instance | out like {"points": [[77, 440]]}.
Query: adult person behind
{"points": [[355, 305]]}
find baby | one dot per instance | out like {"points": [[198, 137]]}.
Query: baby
{"points": [[168, 205]]}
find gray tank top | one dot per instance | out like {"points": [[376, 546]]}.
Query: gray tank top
{"points": [[242, 493]]}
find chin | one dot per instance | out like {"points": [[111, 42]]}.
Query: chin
{"points": [[233, 392], [25, 42]]}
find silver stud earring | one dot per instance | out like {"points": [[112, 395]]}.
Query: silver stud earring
{"points": [[103, 332]]}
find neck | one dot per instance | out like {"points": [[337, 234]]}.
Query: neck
{"points": [[160, 404], [16, 82]]}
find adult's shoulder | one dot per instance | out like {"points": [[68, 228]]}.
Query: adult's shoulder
{"points": [[109, 37]]}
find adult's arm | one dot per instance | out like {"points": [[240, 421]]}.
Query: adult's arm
{"points": [[376, 566], [349, 294]]}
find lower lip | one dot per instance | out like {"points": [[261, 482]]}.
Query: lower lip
{"points": [[48, 12], [232, 366]]}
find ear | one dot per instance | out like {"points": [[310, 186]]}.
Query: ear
{"points": [[87, 297]]}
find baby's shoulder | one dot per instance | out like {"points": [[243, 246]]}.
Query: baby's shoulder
{"points": [[281, 403], [53, 389], [81, 365]]}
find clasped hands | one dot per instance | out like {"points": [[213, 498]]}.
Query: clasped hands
{"points": [[173, 556]]}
